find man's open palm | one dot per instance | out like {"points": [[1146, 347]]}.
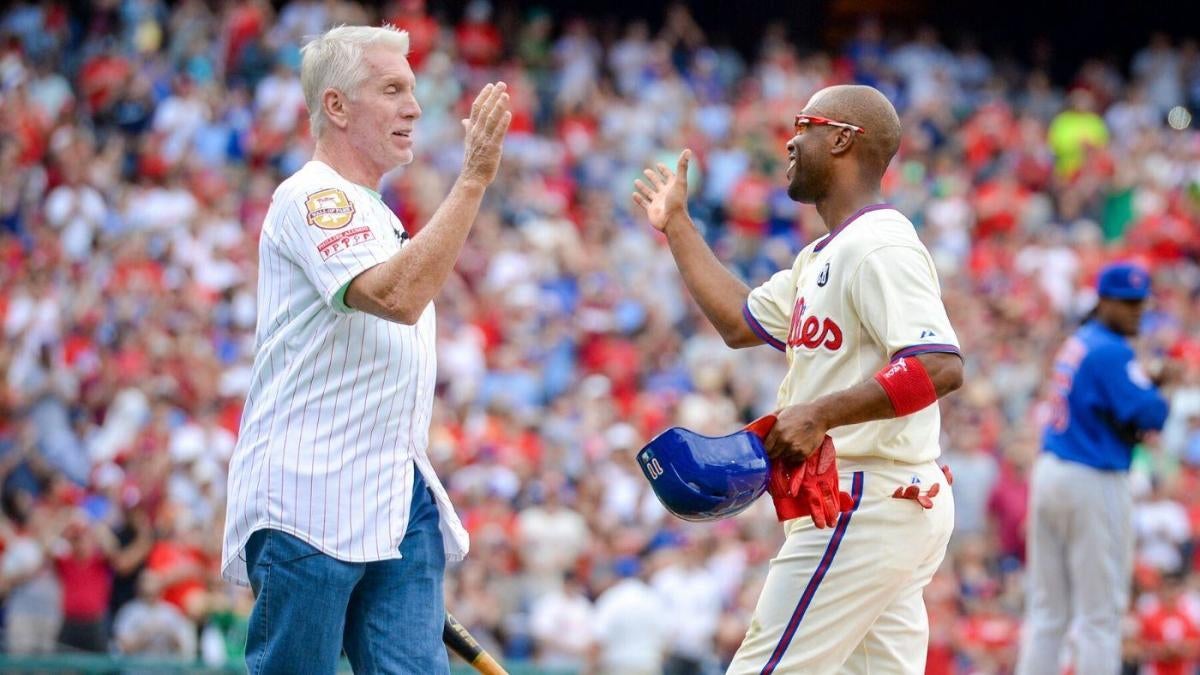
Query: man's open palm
{"points": [[666, 193]]}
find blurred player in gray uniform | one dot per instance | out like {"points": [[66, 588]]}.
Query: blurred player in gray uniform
{"points": [[1080, 537]]}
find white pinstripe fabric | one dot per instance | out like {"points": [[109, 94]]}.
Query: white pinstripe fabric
{"points": [[339, 406]]}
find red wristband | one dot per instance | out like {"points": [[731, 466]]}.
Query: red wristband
{"points": [[907, 386]]}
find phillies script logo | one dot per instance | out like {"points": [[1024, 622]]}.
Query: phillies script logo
{"points": [[811, 332]]}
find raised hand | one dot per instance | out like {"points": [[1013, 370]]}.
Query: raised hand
{"points": [[666, 194], [485, 131]]}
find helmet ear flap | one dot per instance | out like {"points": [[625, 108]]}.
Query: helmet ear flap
{"points": [[700, 478]]}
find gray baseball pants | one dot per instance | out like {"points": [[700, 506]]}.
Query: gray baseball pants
{"points": [[1080, 557]]}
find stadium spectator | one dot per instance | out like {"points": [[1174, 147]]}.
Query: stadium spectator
{"points": [[85, 573], [692, 593], [151, 626], [975, 471], [1168, 631], [1076, 133], [550, 534], [33, 607], [632, 634], [561, 623]]}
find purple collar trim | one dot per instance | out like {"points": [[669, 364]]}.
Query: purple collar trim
{"points": [[857, 214]]}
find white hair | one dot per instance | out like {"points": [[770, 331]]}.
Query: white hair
{"points": [[335, 61]]}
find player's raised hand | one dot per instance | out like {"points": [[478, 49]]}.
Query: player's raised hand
{"points": [[664, 193], [485, 130]]}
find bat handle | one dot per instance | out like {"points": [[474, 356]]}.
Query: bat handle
{"points": [[460, 641], [485, 664]]}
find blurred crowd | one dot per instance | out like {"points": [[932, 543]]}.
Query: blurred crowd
{"points": [[140, 142]]}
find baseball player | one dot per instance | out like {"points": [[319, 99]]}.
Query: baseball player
{"points": [[335, 516], [1080, 536], [870, 349]]}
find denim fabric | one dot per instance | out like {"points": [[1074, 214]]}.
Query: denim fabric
{"points": [[387, 615]]}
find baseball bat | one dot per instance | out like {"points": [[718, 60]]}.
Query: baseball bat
{"points": [[461, 642]]}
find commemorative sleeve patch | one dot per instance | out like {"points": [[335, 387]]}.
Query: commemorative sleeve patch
{"points": [[329, 209], [344, 240]]}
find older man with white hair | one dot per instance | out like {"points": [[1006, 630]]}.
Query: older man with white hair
{"points": [[335, 516]]}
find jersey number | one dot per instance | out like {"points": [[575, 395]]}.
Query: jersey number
{"points": [[654, 468], [1066, 364]]}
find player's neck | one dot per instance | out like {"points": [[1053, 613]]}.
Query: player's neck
{"points": [[836, 208], [351, 165]]}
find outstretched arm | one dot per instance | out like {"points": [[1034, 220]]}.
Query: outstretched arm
{"points": [[399, 288], [719, 293]]}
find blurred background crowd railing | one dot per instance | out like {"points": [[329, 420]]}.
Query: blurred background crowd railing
{"points": [[140, 142]]}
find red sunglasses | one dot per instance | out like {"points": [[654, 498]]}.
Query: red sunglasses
{"points": [[814, 120]]}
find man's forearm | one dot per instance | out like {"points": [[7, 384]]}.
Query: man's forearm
{"points": [[867, 401], [864, 402], [406, 283], [427, 260], [719, 293]]}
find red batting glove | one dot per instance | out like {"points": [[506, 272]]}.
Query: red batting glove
{"points": [[788, 504], [808, 488], [817, 485], [781, 476], [762, 426], [913, 492]]}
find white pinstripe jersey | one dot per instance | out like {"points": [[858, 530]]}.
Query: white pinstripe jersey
{"points": [[338, 412], [854, 300]]}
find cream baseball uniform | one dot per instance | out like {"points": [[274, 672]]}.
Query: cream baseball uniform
{"points": [[337, 416], [848, 598]]}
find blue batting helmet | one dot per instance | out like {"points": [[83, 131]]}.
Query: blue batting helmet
{"points": [[702, 478]]}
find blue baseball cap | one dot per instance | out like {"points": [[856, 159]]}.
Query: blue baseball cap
{"points": [[1123, 281]]}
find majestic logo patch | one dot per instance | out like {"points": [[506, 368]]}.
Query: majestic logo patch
{"points": [[329, 209]]}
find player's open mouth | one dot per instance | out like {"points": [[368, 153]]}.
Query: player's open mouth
{"points": [[791, 169]]}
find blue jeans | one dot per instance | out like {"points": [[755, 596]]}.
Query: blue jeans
{"points": [[387, 615]]}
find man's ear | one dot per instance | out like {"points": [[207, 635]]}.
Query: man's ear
{"points": [[333, 102], [842, 141]]}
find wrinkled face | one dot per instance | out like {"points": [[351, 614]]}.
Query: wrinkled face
{"points": [[383, 110]]}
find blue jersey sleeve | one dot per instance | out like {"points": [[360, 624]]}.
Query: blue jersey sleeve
{"points": [[1133, 400]]}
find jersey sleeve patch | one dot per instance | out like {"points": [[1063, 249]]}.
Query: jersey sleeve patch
{"points": [[329, 209], [344, 240]]}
